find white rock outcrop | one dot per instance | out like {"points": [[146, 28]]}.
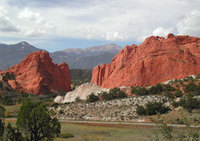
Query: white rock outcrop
{"points": [[59, 99], [82, 92]]}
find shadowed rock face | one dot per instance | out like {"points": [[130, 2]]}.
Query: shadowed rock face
{"points": [[38, 75], [154, 61]]}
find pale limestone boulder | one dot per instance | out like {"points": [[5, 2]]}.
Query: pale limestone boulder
{"points": [[82, 92], [59, 99]]}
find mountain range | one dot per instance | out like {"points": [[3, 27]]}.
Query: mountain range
{"points": [[14, 54], [76, 58], [86, 58]]}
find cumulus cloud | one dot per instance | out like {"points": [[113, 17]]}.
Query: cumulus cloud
{"points": [[190, 24], [111, 20], [162, 32], [27, 14], [6, 24]]}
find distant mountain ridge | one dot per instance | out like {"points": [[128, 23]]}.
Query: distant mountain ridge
{"points": [[111, 48], [77, 58], [14, 54], [88, 57]]}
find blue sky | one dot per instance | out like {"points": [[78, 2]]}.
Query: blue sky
{"points": [[59, 24]]}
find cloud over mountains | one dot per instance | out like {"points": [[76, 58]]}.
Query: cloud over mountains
{"points": [[99, 19]]}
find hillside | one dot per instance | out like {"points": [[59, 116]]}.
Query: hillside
{"points": [[76, 58], [11, 55], [86, 58], [141, 103]]}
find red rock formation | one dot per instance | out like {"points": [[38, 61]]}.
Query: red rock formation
{"points": [[37, 74], [154, 61]]}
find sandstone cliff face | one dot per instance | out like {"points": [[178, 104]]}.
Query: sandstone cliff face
{"points": [[154, 61], [38, 75]]}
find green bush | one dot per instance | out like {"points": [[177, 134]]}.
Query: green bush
{"points": [[175, 104], [77, 99], [66, 135], [114, 93], [92, 98], [140, 110], [198, 76], [55, 105], [8, 101], [193, 88], [133, 90], [152, 108], [141, 91], [117, 93], [189, 103], [168, 94], [107, 96], [9, 76], [61, 112], [168, 88], [156, 89], [178, 93], [1, 85], [155, 108]]}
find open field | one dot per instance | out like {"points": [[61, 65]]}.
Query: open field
{"points": [[13, 109], [103, 132], [106, 132], [111, 132], [87, 132]]}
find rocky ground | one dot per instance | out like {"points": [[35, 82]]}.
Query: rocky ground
{"points": [[115, 110]]}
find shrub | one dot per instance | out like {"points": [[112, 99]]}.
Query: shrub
{"points": [[66, 135], [198, 76], [8, 101], [133, 90], [55, 105], [181, 50], [156, 89], [152, 109], [175, 104], [77, 99], [36, 123], [114, 93], [193, 88], [12, 134], [168, 94], [117, 93], [9, 76], [140, 110], [61, 112], [120, 94], [92, 98], [190, 103], [178, 93], [106, 96], [155, 108], [2, 124], [1, 84], [168, 88], [141, 91], [7, 114]]}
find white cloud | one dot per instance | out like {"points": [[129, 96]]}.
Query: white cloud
{"points": [[190, 24], [162, 32], [27, 14], [6, 24], [103, 19]]}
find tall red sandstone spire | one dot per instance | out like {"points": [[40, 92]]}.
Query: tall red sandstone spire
{"points": [[154, 61], [37, 74]]}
